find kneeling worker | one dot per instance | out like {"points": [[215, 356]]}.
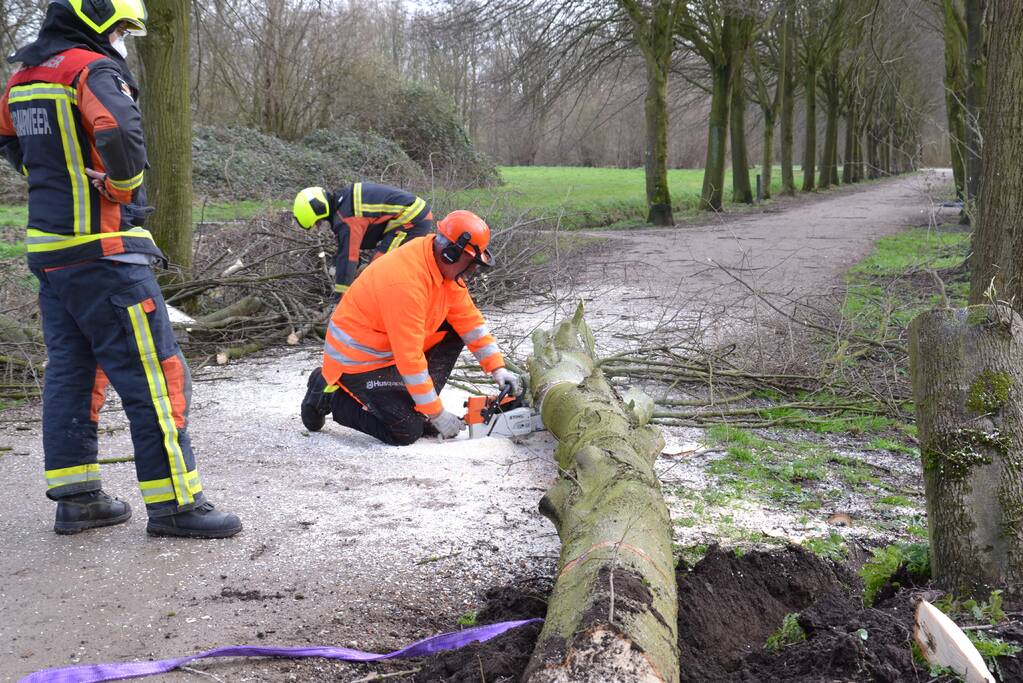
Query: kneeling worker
{"points": [[363, 216], [396, 335]]}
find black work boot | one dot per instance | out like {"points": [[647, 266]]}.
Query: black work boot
{"points": [[316, 404], [201, 522], [89, 510]]}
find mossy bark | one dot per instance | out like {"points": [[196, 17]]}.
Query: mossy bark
{"points": [[712, 194], [967, 373], [788, 184], [998, 237], [654, 35], [955, 89], [810, 146], [167, 119], [613, 612], [742, 190]]}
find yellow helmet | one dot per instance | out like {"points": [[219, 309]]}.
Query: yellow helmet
{"points": [[311, 205], [102, 15]]}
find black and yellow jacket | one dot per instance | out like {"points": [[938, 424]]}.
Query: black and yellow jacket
{"points": [[71, 106], [368, 216]]}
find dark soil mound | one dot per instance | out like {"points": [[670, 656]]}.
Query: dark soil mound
{"points": [[502, 659], [729, 605], [845, 643]]}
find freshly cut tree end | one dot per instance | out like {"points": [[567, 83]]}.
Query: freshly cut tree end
{"points": [[600, 655], [942, 643]]}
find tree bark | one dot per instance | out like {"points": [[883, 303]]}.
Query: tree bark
{"points": [[656, 108], [829, 163], [167, 118], [967, 370], [998, 236], [832, 88], [742, 192], [976, 94], [810, 149], [613, 612], [849, 167], [767, 164], [714, 169], [655, 38], [955, 91], [788, 104]]}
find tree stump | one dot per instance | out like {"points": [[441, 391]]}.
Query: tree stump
{"points": [[967, 372], [613, 612]]}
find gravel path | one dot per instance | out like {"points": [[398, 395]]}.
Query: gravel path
{"points": [[347, 542]]}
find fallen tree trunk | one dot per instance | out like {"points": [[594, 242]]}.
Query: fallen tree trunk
{"points": [[967, 370], [613, 612]]}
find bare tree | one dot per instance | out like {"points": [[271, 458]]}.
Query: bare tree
{"points": [[818, 24], [653, 33], [709, 29], [769, 65]]}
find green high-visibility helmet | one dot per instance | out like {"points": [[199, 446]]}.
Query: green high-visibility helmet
{"points": [[311, 205], [103, 15]]}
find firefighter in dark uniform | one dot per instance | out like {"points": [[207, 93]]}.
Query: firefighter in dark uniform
{"points": [[69, 122], [363, 216]]}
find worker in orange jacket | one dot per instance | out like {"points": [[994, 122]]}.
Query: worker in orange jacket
{"points": [[396, 334]]}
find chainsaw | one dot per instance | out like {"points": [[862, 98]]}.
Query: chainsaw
{"points": [[501, 415]]}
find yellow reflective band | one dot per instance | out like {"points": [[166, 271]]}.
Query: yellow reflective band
{"points": [[162, 490], [386, 208], [409, 214], [72, 475], [75, 167], [126, 185], [39, 240], [24, 169], [357, 198], [331, 389], [398, 240], [53, 91], [161, 401]]}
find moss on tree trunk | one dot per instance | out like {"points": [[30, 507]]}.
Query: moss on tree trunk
{"points": [[613, 612], [967, 372], [810, 148], [167, 118]]}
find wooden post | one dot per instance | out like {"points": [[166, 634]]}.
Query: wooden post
{"points": [[613, 612], [967, 372]]}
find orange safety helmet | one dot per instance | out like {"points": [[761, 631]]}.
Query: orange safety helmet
{"points": [[465, 231]]}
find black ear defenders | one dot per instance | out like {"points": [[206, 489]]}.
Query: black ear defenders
{"points": [[453, 251]]}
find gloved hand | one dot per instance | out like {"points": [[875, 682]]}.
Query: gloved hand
{"points": [[447, 424], [504, 376]]}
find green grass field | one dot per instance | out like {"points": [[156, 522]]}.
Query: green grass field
{"points": [[582, 197]]}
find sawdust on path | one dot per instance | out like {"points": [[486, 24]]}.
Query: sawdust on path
{"points": [[347, 542]]}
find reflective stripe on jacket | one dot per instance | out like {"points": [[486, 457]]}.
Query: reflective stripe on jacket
{"points": [[392, 315], [369, 214], [75, 112]]}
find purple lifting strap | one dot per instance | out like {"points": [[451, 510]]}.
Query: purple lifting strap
{"points": [[95, 673]]}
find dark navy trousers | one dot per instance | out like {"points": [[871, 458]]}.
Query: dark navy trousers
{"points": [[106, 322], [378, 403]]}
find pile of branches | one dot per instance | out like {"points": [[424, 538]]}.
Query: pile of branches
{"points": [[22, 352]]}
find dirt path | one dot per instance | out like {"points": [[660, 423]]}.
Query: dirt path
{"points": [[347, 542], [797, 246]]}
